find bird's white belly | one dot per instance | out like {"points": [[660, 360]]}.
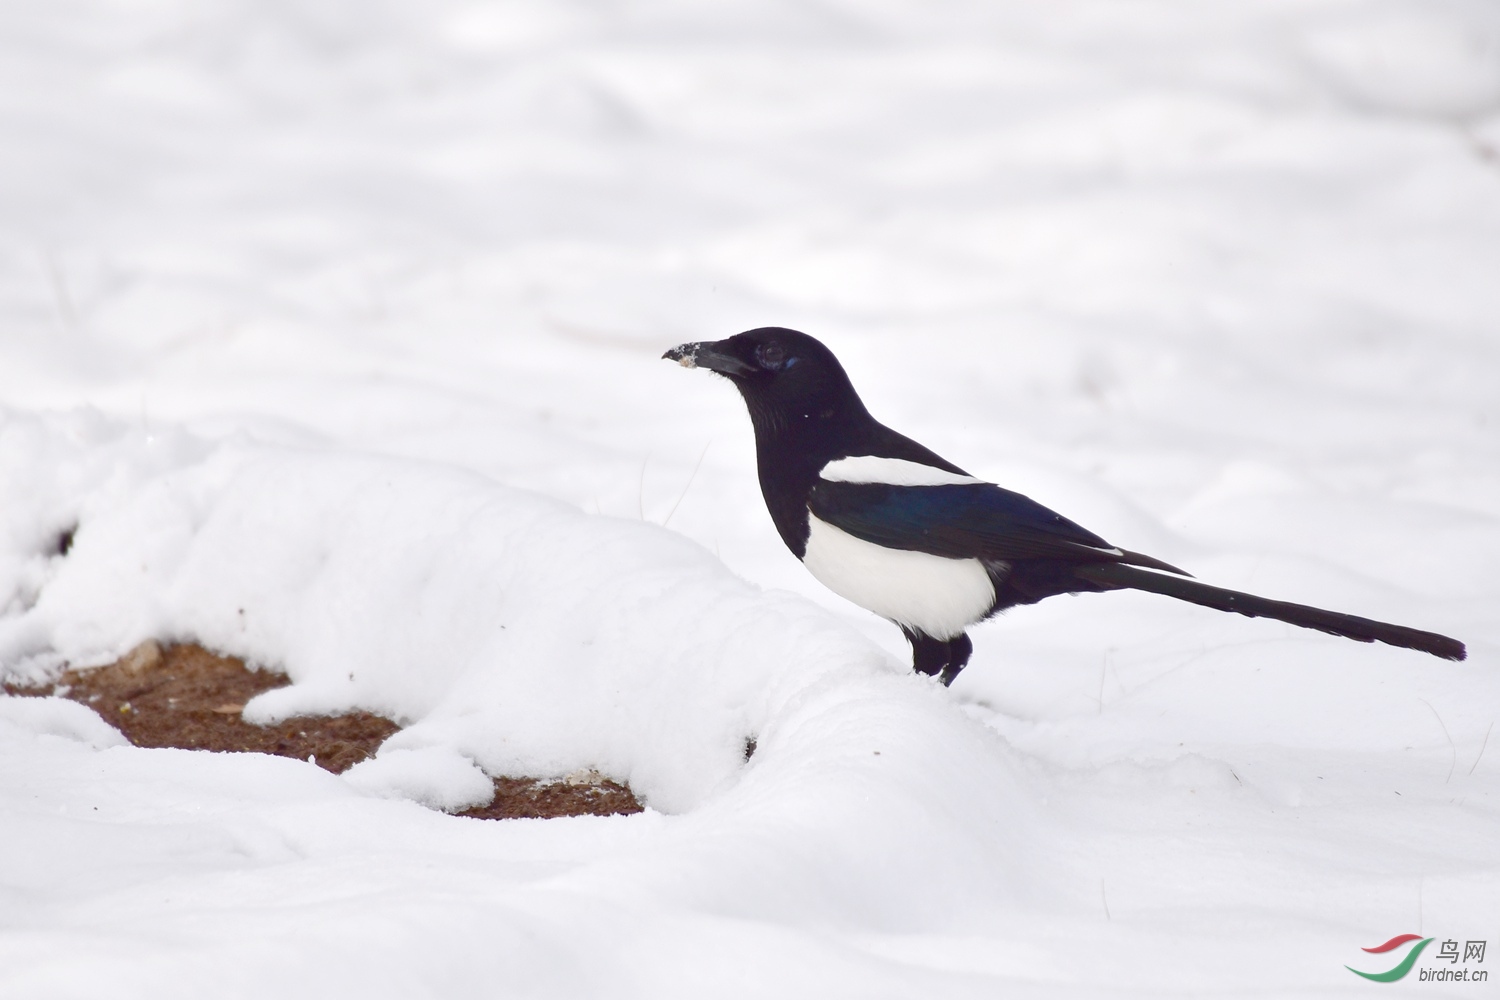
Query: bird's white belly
{"points": [[932, 594]]}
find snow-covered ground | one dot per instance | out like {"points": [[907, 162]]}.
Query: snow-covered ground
{"points": [[335, 329]]}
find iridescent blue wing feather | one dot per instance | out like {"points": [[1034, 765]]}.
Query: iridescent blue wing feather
{"points": [[957, 521]]}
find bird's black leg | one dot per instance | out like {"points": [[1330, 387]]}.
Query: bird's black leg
{"points": [[928, 655], [959, 650], [939, 658]]}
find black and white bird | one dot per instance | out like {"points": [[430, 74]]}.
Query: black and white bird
{"points": [[903, 532]]}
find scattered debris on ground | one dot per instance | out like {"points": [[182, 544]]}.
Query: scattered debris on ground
{"points": [[188, 697]]}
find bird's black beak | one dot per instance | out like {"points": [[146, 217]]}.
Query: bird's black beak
{"points": [[707, 355]]}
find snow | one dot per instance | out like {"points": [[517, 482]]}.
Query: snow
{"points": [[335, 332]]}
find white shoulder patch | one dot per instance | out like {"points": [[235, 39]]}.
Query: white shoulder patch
{"points": [[891, 471]]}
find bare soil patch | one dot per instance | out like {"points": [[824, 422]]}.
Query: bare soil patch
{"points": [[587, 794], [188, 697]]}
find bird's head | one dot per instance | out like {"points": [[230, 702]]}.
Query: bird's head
{"points": [[786, 377]]}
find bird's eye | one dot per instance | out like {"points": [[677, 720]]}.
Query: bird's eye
{"points": [[772, 356]]}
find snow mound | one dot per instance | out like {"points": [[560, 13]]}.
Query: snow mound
{"points": [[437, 777], [60, 718], [1440, 57], [502, 628]]}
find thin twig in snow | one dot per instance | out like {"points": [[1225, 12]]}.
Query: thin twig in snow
{"points": [[1451, 745], [1482, 746], [681, 496], [55, 275], [640, 490]]}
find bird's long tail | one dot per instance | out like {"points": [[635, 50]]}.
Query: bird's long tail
{"points": [[1116, 575]]}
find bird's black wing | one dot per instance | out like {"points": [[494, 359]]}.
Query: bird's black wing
{"points": [[965, 520]]}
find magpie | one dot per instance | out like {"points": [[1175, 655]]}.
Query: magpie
{"points": [[905, 533]]}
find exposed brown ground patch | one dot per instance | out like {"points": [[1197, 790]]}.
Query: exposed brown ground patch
{"points": [[584, 795], [187, 697]]}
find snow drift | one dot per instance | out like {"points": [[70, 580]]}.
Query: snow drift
{"points": [[498, 625]]}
